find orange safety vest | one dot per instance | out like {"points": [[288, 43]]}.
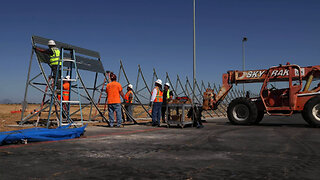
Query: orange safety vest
{"points": [[65, 91], [126, 97], [159, 96]]}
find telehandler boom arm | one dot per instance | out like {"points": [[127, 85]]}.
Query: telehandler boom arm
{"points": [[273, 74]]}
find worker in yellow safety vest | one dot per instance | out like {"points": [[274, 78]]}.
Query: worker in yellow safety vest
{"points": [[156, 102], [54, 54], [128, 97], [167, 97]]}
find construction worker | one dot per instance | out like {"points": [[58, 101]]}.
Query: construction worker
{"points": [[167, 97], [114, 91], [65, 89], [54, 54], [65, 94], [128, 102], [156, 102]]}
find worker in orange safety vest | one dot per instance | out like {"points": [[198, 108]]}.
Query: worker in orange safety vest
{"points": [[65, 94], [65, 89], [114, 91], [156, 102], [128, 97]]}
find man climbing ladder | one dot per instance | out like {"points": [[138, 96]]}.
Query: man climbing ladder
{"points": [[65, 94], [54, 54], [66, 89]]}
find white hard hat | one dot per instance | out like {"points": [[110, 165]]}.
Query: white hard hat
{"points": [[67, 77], [51, 43], [130, 86], [159, 81], [167, 84]]}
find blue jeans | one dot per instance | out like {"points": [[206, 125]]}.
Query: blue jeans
{"points": [[111, 109], [156, 113], [129, 109]]}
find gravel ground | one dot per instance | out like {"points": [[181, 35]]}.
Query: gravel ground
{"points": [[279, 148]]}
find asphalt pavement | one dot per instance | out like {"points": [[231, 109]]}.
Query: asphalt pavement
{"points": [[278, 148]]}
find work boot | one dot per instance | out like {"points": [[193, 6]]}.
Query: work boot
{"points": [[200, 126]]}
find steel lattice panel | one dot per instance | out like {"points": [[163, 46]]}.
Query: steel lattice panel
{"points": [[83, 63]]}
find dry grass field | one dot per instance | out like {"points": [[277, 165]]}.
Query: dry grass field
{"points": [[8, 120]]}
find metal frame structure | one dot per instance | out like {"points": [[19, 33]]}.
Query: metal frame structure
{"points": [[142, 91], [87, 60], [137, 100], [102, 95]]}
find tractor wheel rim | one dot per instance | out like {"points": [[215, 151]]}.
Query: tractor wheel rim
{"points": [[316, 112], [240, 112]]}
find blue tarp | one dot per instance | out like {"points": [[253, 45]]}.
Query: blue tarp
{"points": [[40, 134]]}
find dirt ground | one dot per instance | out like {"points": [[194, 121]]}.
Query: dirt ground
{"points": [[10, 114], [8, 118]]}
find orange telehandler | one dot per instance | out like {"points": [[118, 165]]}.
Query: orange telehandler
{"points": [[293, 98]]}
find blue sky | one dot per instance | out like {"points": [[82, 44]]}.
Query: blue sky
{"points": [[158, 34]]}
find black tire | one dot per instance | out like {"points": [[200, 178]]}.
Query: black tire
{"points": [[311, 112], [305, 117], [259, 117], [242, 111]]}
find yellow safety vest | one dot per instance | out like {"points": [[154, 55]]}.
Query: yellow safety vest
{"points": [[168, 94], [55, 58]]}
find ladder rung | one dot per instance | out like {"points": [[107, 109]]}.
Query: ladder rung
{"points": [[74, 123], [68, 60], [70, 79], [72, 102]]}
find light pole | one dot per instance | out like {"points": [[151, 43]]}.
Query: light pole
{"points": [[194, 50], [244, 39]]}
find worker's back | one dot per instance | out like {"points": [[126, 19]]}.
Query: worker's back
{"points": [[113, 90]]}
